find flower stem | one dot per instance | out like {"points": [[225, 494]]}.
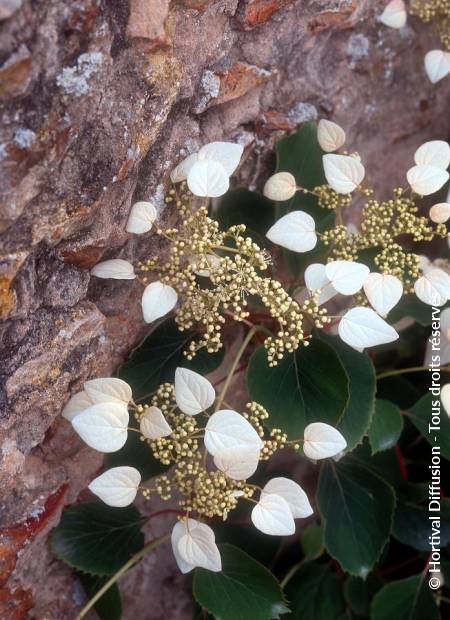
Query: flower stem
{"points": [[404, 371], [291, 572], [131, 562]]}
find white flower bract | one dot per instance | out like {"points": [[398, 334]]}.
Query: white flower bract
{"points": [[316, 278], [426, 180], [193, 545], [78, 403], [237, 463], [445, 398], [108, 390], [433, 153], [153, 424], [116, 268], [193, 393], [383, 291], [180, 172], [347, 277], [293, 494], [437, 65], [433, 288], [322, 441], [103, 426], [228, 429], [330, 136], [272, 515], [141, 218], [226, 153], [343, 172], [361, 327], [394, 14], [208, 179], [280, 186], [440, 213], [294, 231], [157, 300], [117, 486]]}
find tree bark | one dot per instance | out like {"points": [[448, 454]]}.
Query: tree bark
{"points": [[100, 99]]}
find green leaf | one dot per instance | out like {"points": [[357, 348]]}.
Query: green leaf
{"points": [[398, 390], [154, 361], [315, 593], [384, 464], [109, 606], [407, 599], [386, 427], [301, 155], [411, 306], [309, 385], [357, 416], [97, 539], [420, 416], [243, 590], [241, 206], [312, 541], [357, 507], [259, 546], [412, 525], [359, 593]]}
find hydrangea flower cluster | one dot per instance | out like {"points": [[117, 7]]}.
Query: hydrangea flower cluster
{"points": [[436, 12], [212, 460]]}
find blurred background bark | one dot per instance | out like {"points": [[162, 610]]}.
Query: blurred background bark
{"points": [[100, 98]]}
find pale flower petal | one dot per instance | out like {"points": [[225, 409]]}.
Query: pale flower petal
{"points": [[322, 441], [226, 153], [280, 186], [440, 213], [433, 288], [117, 486], [426, 180], [208, 178], [445, 398], [193, 544], [315, 278], [193, 393], [343, 172], [294, 231], [433, 153], [78, 403], [383, 292], [293, 494], [272, 515], [157, 300], [141, 218], [108, 390], [362, 327], [394, 15], [347, 277], [229, 429], [180, 172], [237, 463], [330, 136], [153, 424], [103, 426], [437, 65], [116, 268]]}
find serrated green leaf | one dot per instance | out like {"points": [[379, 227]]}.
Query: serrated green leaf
{"points": [[312, 541], [420, 416], [359, 593], [360, 371], [357, 507], [406, 599], [315, 593], [154, 361], [386, 427], [309, 385], [109, 606], [243, 590], [412, 525], [384, 464], [242, 206], [97, 539]]}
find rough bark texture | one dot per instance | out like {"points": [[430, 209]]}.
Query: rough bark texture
{"points": [[100, 98]]}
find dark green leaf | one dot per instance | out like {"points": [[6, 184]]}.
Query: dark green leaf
{"points": [[243, 590], [154, 361], [258, 545], [412, 525], [411, 306], [421, 416], [308, 386], [362, 385], [357, 507], [398, 390], [241, 206], [312, 541], [386, 427], [384, 464], [315, 593], [359, 593], [97, 539], [407, 599], [109, 606]]}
